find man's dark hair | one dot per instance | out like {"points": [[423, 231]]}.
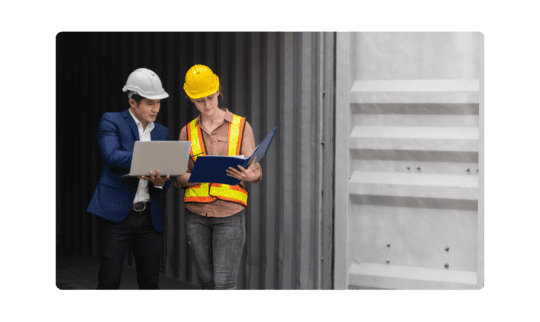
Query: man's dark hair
{"points": [[137, 98]]}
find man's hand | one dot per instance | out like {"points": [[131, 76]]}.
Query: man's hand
{"points": [[249, 174], [157, 180]]}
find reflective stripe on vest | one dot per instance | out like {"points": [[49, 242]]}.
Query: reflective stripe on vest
{"points": [[209, 192], [198, 193], [236, 129], [195, 136]]}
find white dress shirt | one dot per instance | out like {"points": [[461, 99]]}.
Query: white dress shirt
{"points": [[144, 135]]}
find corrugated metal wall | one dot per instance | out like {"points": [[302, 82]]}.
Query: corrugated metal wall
{"points": [[273, 79], [410, 178]]}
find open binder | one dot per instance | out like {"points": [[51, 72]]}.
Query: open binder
{"points": [[212, 168]]}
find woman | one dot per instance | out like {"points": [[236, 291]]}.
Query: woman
{"points": [[215, 225]]}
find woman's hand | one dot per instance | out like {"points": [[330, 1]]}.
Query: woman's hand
{"points": [[157, 180], [249, 174]]}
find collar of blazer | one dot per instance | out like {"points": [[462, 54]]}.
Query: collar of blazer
{"points": [[157, 133], [129, 119]]}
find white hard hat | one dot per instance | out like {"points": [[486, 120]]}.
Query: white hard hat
{"points": [[146, 83]]}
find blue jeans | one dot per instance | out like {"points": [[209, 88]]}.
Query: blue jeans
{"points": [[217, 245]]}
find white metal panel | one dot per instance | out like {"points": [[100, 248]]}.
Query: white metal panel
{"points": [[343, 116], [425, 167], [413, 159], [415, 55], [406, 277], [414, 144], [416, 85], [458, 121], [480, 246], [414, 97], [415, 237], [411, 191]]}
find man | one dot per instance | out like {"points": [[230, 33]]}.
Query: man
{"points": [[129, 210]]}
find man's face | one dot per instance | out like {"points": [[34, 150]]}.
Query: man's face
{"points": [[146, 111], [208, 104]]}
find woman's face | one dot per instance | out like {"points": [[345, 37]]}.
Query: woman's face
{"points": [[207, 105]]}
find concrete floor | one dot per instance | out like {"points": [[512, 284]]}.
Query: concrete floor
{"points": [[78, 271]]}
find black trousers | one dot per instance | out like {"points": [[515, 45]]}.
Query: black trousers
{"points": [[115, 238]]}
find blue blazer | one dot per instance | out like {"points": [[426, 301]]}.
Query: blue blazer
{"points": [[114, 195]]}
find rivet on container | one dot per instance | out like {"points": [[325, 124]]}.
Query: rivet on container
{"points": [[408, 167], [468, 169], [446, 265], [388, 260], [418, 167], [447, 248], [387, 244]]}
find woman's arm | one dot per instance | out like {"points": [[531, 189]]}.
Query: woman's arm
{"points": [[182, 181], [253, 173]]}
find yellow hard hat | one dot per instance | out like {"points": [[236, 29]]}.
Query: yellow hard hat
{"points": [[201, 82]]}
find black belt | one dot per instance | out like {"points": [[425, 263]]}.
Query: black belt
{"points": [[140, 206]]}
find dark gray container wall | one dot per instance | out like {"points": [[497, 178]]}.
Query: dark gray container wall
{"points": [[283, 80]]}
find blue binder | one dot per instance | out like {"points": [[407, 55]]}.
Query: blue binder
{"points": [[213, 168]]}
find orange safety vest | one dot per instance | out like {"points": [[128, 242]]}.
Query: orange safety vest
{"points": [[209, 192]]}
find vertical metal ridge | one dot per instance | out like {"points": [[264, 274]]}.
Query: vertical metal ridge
{"points": [[297, 101], [271, 112], [236, 103], [298, 170], [318, 209], [211, 50], [256, 249], [286, 161], [343, 44], [329, 128], [278, 111]]}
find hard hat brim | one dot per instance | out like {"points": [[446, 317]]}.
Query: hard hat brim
{"points": [[152, 97], [200, 95], [156, 97]]}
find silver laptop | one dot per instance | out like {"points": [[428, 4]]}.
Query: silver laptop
{"points": [[169, 157]]}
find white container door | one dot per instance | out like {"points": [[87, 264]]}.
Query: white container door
{"points": [[409, 179]]}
